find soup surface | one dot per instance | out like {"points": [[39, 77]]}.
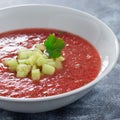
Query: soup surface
{"points": [[81, 66]]}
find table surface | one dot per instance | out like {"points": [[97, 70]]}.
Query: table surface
{"points": [[103, 101]]}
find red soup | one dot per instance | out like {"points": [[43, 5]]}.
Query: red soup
{"points": [[81, 66]]}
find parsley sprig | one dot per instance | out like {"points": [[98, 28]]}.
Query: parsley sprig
{"points": [[54, 46]]}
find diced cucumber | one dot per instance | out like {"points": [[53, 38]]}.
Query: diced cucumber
{"points": [[45, 56], [34, 67], [35, 74], [12, 68], [58, 65], [31, 60], [24, 54], [34, 61], [40, 61], [12, 64], [50, 62], [37, 50], [40, 47], [61, 58], [47, 69], [23, 61], [23, 70]]}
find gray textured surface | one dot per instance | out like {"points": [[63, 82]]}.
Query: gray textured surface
{"points": [[103, 102]]}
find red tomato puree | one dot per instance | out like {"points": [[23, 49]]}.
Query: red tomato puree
{"points": [[81, 66]]}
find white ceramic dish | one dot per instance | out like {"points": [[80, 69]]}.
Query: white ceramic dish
{"points": [[77, 22]]}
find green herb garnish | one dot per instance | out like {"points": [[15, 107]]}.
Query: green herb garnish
{"points": [[54, 46]]}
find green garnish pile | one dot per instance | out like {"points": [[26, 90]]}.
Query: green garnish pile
{"points": [[43, 59]]}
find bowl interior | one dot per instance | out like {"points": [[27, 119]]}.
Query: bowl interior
{"points": [[87, 26]]}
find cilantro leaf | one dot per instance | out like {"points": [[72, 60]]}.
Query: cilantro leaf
{"points": [[54, 46]]}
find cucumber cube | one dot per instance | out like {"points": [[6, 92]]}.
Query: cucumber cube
{"points": [[45, 56], [50, 62], [31, 61], [12, 64], [35, 74], [47, 69], [23, 61], [40, 61], [24, 54], [37, 51], [40, 47], [58, 65], [61, 58], [34, 67], [23, 70]]}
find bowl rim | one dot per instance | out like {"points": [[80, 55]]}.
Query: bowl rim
{"points": [[77, 90]]}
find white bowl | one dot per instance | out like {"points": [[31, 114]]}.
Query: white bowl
{"points": [[68, 19]]}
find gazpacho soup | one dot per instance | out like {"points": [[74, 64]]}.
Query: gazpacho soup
{"points": [[41, 62]]}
